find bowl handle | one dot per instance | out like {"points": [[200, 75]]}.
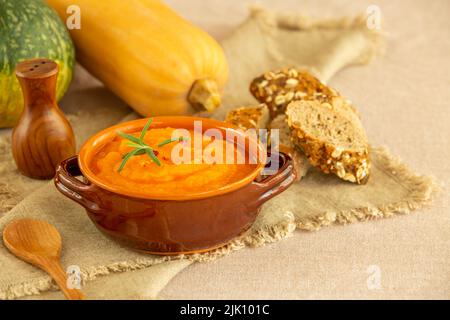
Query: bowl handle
{"points": [[269, 186], [73, 188]]}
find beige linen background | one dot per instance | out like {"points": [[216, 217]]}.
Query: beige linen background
{"points": [[404, 97]]}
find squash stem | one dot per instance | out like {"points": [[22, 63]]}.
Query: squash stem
{"points": [[204, 95]]}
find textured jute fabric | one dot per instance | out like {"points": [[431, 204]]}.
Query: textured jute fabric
{"points": [[111, 271]]}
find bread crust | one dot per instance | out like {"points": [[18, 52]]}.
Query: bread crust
{"points": [[251, 117], [286, 145], [279, 88]]}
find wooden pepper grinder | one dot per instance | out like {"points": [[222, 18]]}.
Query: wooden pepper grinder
{"points": [[43, 137]]}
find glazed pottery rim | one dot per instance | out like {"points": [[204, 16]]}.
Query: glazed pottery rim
{"points": [[97, 141]]}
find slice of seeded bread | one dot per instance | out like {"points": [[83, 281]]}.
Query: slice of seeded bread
{"points": [[249, 117], [286, 145], [279, 88], [332, 138]]}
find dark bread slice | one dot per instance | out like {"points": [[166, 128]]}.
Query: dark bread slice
{"points": [[279, 88]]}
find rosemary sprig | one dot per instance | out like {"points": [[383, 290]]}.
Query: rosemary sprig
{"points": [[140, 147]]}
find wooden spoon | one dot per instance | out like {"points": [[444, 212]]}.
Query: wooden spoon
{"points": [[39, 243]]}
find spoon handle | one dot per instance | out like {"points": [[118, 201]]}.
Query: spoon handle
{"points": [[54, 269]]}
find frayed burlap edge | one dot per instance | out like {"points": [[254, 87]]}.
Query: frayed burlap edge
{"points": [[295, 21], [271, 22], [8, 196], [422, 189]]}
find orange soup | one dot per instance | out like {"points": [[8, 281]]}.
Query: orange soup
{"points": [[169, 178]]}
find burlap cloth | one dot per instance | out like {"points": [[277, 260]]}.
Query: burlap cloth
{"points": [[265, 41]]}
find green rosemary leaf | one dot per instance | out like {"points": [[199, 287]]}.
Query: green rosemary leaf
{"points": [[163, 143], [127, 157], [138, 153], [167, 141], [139, 145], [144, 131], [153, 156], [129, 137], [135, 145]]}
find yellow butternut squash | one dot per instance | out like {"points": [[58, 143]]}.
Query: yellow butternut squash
{"points": [[153, 59]]}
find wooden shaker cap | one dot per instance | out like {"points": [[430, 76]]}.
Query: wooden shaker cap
{"points": [[36, 68]]}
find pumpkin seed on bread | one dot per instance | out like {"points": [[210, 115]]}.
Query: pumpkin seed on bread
{"points": [[332, 138]]}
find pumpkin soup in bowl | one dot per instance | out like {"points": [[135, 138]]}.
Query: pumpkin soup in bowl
{"points": [[168, 178], [172, 162], [170, 187]]}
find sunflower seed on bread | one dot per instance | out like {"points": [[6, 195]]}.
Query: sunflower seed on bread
{"points": [[286, 145], [332, 138], [249, 117], [278, 88]]}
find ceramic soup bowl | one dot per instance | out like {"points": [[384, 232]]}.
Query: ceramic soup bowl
{"points": [[177, 222]]}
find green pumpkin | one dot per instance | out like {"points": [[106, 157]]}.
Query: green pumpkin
{"points": [[30, 29]]}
